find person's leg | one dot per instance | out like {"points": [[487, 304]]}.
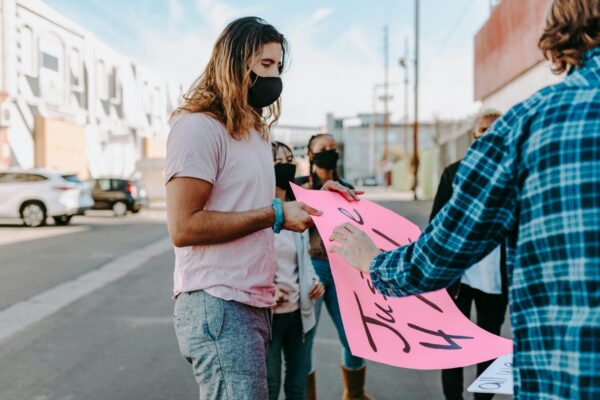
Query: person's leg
{"points": [[226, 343], [331, 302], [311, 384], [295, 356], [274, 355], [452, 379], [353, 368], [491, 309], [321, 268]]}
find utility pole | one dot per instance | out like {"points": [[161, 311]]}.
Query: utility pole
{"points": [[415, 156], [404, 63], [386, 97]]}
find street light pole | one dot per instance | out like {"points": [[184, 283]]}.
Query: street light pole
{"points": [[404, 63], [415, 155], [386, 112]]}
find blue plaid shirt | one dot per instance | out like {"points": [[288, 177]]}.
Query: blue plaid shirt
{"points": [[533, 180]]}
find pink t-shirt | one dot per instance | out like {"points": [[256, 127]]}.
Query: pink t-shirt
{"points": [[243, 179]]}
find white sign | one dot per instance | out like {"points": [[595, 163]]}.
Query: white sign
{"points": [[497, 378]]}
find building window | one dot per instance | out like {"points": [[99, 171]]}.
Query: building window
{"points": [[52, 68], [101, 81], [50, 62], [76, 68], [27, 50]]}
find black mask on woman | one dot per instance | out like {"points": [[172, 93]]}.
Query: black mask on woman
{"points": [[326, 159], [264, 91], [284, 174]]}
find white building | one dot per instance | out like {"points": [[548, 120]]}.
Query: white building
{"points": [[69, 101]]}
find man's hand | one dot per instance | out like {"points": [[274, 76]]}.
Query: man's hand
{"points": [[316, 291], [297, 216], [356, 247], [281, 295], [349, 194]]}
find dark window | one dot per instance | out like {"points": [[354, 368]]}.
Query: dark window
{"points": [[30, 178], [7, 178], [119, 184], [49, 61], [102, 184], [71, 178]]}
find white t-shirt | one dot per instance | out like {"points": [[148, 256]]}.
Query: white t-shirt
{"points": [[286, 275], [485, 275]]}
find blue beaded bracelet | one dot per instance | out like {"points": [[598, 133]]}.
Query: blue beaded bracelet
{"points": [[278, 207]]}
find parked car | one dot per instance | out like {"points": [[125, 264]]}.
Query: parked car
{"points": [[367, 181], [36, 194], [118, 195]]}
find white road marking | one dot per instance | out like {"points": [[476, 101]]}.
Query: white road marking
{"points": [[23, 314], [19, 234]]}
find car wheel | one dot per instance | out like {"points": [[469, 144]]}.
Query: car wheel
{"points": [[33, 214], [136, 209], [119, 209], [62, 219]]}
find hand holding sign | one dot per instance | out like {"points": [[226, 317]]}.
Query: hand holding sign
{"points": [[420, 332], [357, 247]]}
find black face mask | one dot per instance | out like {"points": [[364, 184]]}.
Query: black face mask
{"points": [[284, 174], [264, 91], [326, 159]]}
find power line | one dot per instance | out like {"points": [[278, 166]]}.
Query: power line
{"points": [[456, 25]]}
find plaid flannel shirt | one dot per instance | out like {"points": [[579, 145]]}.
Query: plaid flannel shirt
{"points": [[533, 180]]}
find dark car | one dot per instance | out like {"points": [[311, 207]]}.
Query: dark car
{"points": [[118, 195]]}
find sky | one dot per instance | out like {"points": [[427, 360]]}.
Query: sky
{"points": [[337, 51]]}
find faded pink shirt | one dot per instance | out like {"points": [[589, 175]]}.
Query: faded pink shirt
{"points": [[243, 179]]}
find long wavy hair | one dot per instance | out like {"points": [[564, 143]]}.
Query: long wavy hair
{"points": [[222, 90], [572, 28]]}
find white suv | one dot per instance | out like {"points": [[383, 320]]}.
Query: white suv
{"points": [[36, 194]]}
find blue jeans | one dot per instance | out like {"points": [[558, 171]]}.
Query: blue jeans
{"points": [[323, 271], [226, 343], [288, 339]]}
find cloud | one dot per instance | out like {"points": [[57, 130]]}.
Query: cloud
{"points": [[217, 14], [334, 75], [176, 10], [320, 14]]}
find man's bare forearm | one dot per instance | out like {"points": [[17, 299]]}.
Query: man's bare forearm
{"points": [[214, 227]]}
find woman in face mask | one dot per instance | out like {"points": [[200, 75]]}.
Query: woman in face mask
{"points": [[297, 287], [323, 157]]}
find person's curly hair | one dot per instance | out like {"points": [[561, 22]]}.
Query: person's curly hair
{"points": [[572, 28]]}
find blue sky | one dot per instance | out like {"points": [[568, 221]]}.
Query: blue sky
{"points": [[336, 46]]}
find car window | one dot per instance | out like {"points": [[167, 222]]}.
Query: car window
{"points": [[102, 184], [7, 177], [118, 184], [71, 178], [30, 178]]}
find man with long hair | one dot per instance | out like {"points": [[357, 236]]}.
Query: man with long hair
{"points": [[221, 211], [533, 180]]}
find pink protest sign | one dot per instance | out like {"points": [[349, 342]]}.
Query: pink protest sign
{"points": [[418, 332]]}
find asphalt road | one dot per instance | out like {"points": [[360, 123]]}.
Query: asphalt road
{"points": [[80, 339]]}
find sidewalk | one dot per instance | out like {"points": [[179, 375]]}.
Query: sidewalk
{"points": [[381, 193]]}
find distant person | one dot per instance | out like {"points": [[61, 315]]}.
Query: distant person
{"points": [[221, 211], [297, 287], [483, 284], [533, 179], [323, 157]]}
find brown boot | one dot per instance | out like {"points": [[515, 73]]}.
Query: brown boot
{"points": [[354, 384], [311, 386]]}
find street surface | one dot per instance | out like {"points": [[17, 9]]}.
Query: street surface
{"points": [[85, 313]]}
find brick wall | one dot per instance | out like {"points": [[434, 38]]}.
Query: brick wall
{"points": [[506, 46]]}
